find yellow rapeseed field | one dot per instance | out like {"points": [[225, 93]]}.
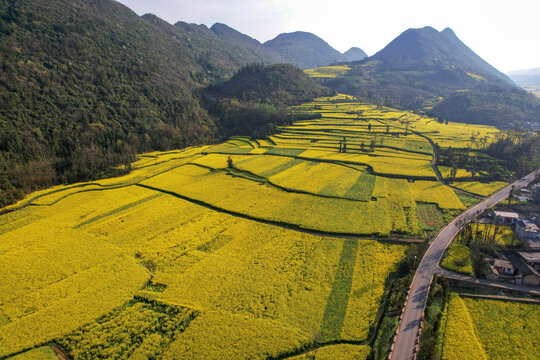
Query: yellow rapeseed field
{"points": [[460, 340], [41, 353], [216, 238], [490, 329], [327, 71], [483, 189], [341, 351]]}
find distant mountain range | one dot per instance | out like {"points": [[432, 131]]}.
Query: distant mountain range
{"points": [[302, 49], [526, 78], [427, 70]]}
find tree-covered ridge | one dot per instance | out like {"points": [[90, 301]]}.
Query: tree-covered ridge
{"points": [[277, 84], [84, 85], [254, 100]]}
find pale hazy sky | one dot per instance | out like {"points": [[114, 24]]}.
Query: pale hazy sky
{"points": [[506, 33]]}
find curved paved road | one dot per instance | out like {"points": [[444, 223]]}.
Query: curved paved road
{"points": [[404, 348]]}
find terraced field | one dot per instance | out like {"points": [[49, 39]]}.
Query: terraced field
{"points": [[205, 240], [489, 329]]}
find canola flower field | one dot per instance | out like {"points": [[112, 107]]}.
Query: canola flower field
{"points": [[207, 238], [489, 329]]}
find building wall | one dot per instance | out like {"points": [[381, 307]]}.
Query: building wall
{"points": [[531, 280], [525, 235], [536, 197]]}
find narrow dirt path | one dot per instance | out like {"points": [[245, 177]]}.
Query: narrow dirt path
{"points": [[60, 352]]}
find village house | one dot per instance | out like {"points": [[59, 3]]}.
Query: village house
{"points": [[527, 230], [527, 274], [532, 245], [531, 258], [505, 217], [500, 270]]}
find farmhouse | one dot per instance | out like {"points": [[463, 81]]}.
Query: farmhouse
{"points": [[527, 274], [531, 258], [500, 270], [504, 217], [527, 230]]}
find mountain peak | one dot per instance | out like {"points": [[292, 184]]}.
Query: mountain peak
{"points": [[304, 49], [427, 48], [355, 54], [227, 33]]}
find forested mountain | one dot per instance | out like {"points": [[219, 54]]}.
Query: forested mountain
{"points": [[86, 84], [299, 48], [428, 49], [277, 84], [255, 99], [304, 50], [232, 36], [434, 71]]}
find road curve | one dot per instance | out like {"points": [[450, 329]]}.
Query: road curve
{"points": [[409, 326]]}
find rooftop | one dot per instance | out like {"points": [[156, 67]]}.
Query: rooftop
{"points": [[501, 263], [523, 268], [507, 214], [530, 256], [528, 225]]}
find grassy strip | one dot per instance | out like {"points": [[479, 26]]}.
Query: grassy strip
{"points": [[117, 210], [467, 200], [434, 320], [284, 151], [363, 188], [282, 167], [381, 346], [246, 175], [336, 305]]}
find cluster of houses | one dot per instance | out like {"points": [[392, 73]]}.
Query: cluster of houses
{"points": [[520, 267], [529, 194]]}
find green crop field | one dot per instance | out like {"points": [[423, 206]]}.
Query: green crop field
{"points": [[197, 252], [489, 329]]}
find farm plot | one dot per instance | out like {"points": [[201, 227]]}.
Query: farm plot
{"points": [[479, 188], [58, 280], [245, 197], [490, 329]]}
